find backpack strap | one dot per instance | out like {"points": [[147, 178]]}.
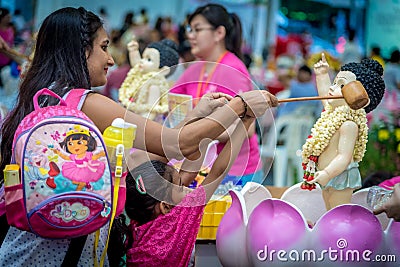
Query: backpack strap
{"points": [[75, 98], [74, 251]]}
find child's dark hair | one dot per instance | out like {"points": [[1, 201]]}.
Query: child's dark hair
{"points": [[92, 144], [139, 206]]}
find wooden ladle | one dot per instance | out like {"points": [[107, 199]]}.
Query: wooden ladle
{"points": [[353, 93]]}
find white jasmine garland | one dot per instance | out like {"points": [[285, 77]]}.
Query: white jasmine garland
{"points": [[133, 93], [326, 126]]}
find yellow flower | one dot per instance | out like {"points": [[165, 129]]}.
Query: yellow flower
{"points": [[383, 135], [397, 134]]}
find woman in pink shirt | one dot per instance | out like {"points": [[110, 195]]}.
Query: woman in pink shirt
{"points": [[215, 37]]}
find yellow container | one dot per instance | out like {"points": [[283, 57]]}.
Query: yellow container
{"points": [[213, 213], [207, 232]]}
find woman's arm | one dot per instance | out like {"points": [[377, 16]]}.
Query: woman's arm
{"points": [[176, 143], [224, 137], [207, 104]]}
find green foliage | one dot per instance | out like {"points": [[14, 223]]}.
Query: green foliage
{"points": [[383, 147]]}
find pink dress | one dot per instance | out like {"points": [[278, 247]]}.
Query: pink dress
{"points": [[83, 170], [169, 239]]}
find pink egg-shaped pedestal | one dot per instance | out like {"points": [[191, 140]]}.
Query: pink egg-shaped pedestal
{"points": [[348, 235], [274, 229], [231, 234]]}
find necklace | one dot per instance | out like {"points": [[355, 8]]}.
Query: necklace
{"points": [[133, 93], [201, 86]]}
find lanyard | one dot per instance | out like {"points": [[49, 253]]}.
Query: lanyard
{"points": [[201, 86]]}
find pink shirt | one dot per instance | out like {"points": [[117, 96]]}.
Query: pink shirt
{"points": [[230, 77], [169, 239], [116, 78], [8, 36]]}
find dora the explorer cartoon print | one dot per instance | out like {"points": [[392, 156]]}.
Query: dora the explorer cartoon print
{"points": [[82, 166]]}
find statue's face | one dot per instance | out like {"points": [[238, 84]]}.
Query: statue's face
{"points": [[150, 60], [341, 79]]}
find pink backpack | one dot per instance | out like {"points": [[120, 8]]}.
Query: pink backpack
{"points": [[64, 187]]}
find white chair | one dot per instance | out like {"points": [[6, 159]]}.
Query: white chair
{"points": [[282, 143]]}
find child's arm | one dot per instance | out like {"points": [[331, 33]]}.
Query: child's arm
{"points": [[193, 163], [226, 158]]}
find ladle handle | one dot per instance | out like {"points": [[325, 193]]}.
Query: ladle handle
{"points": [[310, 98]]}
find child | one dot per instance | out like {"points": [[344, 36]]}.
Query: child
{"points": [[161, 232]]}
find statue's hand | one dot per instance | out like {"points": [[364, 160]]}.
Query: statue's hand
{"points": [[320, 177], [322, 66], [133, 46]]}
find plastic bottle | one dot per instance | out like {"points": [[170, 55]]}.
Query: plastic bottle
{"points": [[118, 138], [377, 196]]}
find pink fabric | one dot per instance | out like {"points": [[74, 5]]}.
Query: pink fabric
{"points": [[115, 79], [76, 97], [232, 78], [2, 201], [8, 36], [389, 184], [169, 239]]}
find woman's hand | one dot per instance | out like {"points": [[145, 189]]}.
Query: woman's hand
{"points": [[392, 206], [209, 102], [322, 66], [258, 101]]}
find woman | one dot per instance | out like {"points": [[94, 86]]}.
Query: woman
{"points": [[78, 58], [215, 37]]}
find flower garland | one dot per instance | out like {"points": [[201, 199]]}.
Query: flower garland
{"points": [[325, 127], [134, 91]]}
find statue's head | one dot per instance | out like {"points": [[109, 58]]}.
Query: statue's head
{"points": [[369, 72]]}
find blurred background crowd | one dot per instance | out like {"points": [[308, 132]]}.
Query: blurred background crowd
{"points": [[282, 41]]}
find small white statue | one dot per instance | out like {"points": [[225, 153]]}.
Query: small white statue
{"points": [[338, 139], [144, 90]]}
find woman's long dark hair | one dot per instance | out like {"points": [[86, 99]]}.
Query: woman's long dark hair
{"points": [[217, 15], [59, 61], [139, 207]]}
